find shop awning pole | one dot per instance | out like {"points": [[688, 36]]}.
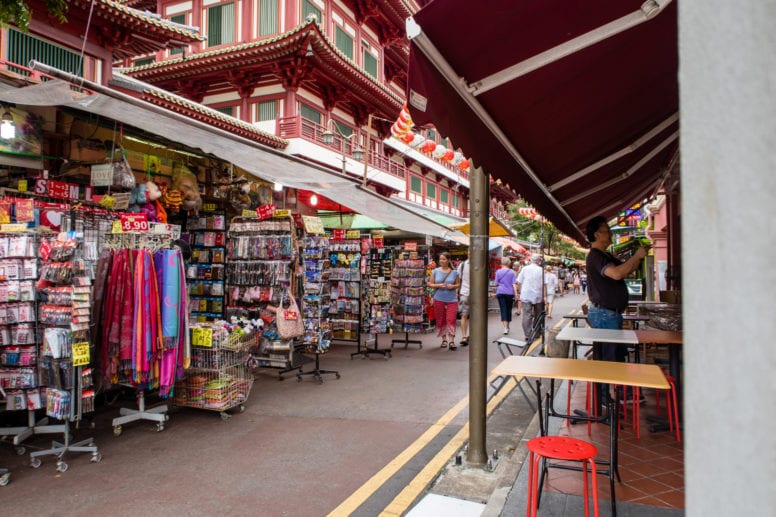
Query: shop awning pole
{"points": [[478, 316]]}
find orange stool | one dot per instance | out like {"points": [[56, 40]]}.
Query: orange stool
{"points": [[559, 448]]}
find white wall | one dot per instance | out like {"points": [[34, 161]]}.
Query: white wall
{"points": [[728, 159]]}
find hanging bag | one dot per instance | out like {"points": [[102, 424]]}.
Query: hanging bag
{"points": [[289, 321]]}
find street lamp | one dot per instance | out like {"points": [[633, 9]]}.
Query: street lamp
{"points": [[328, 137]]}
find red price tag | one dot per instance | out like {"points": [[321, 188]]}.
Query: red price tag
{"points": [[133, 222], [379, 242], [290, 315], [265, 211], [411, 246], [338, 235]]}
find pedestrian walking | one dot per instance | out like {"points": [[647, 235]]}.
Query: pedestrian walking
{"points": [[445, 282], [505, 292], [531, 289], [550, 284], [463, 301]]}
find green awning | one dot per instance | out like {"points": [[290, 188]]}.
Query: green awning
{"points": [[351, 221]]}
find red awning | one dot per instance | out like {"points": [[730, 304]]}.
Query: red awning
{"points": [[573, 103]]}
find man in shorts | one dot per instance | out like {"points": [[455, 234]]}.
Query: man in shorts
{"points": [[463, 301]]}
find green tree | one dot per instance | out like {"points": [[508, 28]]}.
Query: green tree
{"points": [[19, 13], [530, 230]]}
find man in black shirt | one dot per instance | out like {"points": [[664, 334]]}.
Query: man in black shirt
{"points": [[607, 291]]}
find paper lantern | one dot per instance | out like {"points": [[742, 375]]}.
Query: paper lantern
{"points": [[439, 151], [408, 138], [404, 116], [457, 158], [448, 156], [428, 146], [464, 165], [417, 141]]}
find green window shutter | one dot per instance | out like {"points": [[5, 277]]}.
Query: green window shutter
{"points": [[144, 61], [416, 185], [431, 134], [22, 48], [220, 25], [308, 8], [178, 18], [370, 63], [310, 113], [267, 110], [344, 42], [430, 191], [444, 196], [268, 18], [226, 110], [343, 129], [445, 142], [455, 201]]}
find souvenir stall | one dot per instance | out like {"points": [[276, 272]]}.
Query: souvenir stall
{"points": [[408, 292]]}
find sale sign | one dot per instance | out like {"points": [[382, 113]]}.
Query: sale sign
{"points": [[133, 222], [265, 211]]}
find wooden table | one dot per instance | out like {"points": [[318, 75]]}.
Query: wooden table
{"points": [[636, 319], [605, 372]]}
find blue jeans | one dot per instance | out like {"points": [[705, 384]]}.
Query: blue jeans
{"points": [[505, 302], [605, 319]]}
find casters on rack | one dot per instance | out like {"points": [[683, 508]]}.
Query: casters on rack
{"points": [[242, 408], [117, 430], [96, 457], [20, 450], [225, 416], [61, 466], [35, 463], [5, 479], [159, 427]]}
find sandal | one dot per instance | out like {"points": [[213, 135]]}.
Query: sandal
{"points": [[453, 347], [443, 345], [464, 341]]}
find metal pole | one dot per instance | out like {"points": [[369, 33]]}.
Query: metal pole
{"points": [[366, 151], [478, 315]]}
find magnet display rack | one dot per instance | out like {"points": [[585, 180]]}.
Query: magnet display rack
{"points": [[345, 285], [18, 342], [205, 272], [408, 295], [316, 303], [261, 255], [64, 364], [377, 299]]}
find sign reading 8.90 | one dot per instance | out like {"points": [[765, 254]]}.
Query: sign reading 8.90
{"points": [[134, 223]]}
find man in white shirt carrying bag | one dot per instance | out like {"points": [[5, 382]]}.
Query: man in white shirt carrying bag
{"points": [[463, 301]]}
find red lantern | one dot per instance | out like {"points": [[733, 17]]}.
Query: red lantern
{"points": [[448, 156], [408, 138], [464, 165], [428, 147]]}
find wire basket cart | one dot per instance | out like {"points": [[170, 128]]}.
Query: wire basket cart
{"points": [[218, 378]]}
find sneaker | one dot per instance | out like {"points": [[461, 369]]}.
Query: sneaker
{"points": [[506, 331]]}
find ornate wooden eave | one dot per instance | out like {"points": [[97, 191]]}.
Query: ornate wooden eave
{"points": [[199, 112], [301, 56], [125, 31], [502, 192]]}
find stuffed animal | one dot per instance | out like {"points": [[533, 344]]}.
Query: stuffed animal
{"points": [[185, 182], [137, 198], [153, 207]]}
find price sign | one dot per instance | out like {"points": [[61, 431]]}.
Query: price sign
{"points": [[62, 190], [313, 224], [265, 211], [338, 235], [290, 315], [353, 234], [282, 213], [133, 222], [21, 186], [202, 337], [81, 353], [411, 246], [379, 242]]}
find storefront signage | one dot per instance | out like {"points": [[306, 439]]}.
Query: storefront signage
{"points": [[353, 234], [282, 213], [62, 190], [265, 211], [378, 241], [312, 224], [337, 235], [102, 175], [81, 353], [133, 222], [410, 246], [202, 337]]}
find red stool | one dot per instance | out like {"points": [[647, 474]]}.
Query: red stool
{"points": [[671, 407], [559, 448]]}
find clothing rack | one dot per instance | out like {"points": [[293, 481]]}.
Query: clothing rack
{"points": [[152, 242]]}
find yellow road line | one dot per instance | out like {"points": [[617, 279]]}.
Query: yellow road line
{"points": [[402, 501]]}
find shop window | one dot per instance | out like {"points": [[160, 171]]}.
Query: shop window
{"points": [[344, 42], [22, 48], [431, 191], [310, 113], [431, 135], [267, 110], [309, 9], [220, 25], [268, 17], [455, 201], [178, 18], [416, 185], [369, 60], [444, 197]]}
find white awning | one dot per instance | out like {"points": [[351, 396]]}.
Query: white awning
{"points": [[263, 162]]}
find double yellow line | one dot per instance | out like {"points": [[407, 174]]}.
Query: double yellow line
{"points": [[404, 499]]}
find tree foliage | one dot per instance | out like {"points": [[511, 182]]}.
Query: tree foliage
{"points": [[545, 232], [19, 13]]}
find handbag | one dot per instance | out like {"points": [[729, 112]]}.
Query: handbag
{"points": [[289, 321]]}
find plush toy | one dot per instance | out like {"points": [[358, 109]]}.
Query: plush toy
{"points": [[153, 208], [185, 182], [173, 200], [137, 198]]}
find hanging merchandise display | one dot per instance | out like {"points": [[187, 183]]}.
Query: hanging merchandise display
{"points": [[205, 271], [316, 293], [376, 315], [261, 258], [408, 293]]}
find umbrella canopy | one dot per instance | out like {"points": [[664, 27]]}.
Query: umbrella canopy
{"points": [[351, 221], [495, 228], [573, 103]]}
